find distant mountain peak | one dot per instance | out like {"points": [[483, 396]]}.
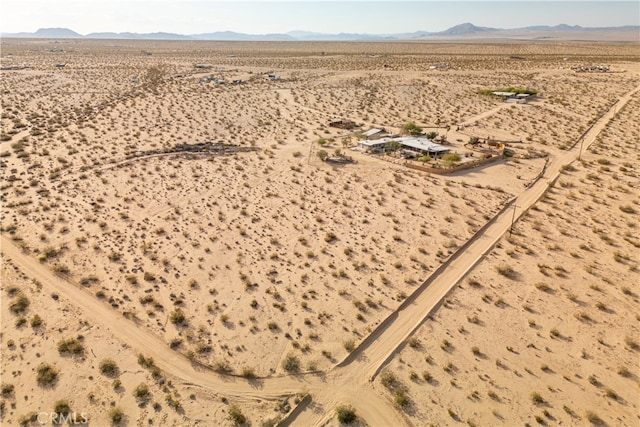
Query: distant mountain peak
{"points": [[462, 29], [56, 33]]}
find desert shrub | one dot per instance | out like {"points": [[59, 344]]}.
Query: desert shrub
{"points": [[236, 416], [273, 326], [506, 271], [89, 280], [537, 398], [177, 317], [291, 363], [414, 342], [142, 393], [116, 416], [389, 380], [595, 419], [632, 344], [70, 347], [222, 367], [109, 368], [611, 394], [146, 362], [62, 407], [61, 269], [7, 390], [20, 305], [28, 419], [541, 286], [248, 372], [623, 371], [322, 154], [47, 375], [349, 345], [401, 398], [173, 403], [628, 209], [36, 321], [346, 414]]}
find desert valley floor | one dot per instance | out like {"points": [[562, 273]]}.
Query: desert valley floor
{"points": [[176, 250]]}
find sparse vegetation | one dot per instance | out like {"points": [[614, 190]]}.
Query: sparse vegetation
{"points": [[346, 414], [109, 368], [291, 364], [71, 347], [116, 417], [47, 375], [236, 416]]}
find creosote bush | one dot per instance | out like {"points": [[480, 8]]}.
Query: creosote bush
{"points": [[291, 364], [19, 306], [507, 271], [70, 347], [142, 393], [109, 368], [116, 416], [47, 375], [236, 416], [346, 414]]}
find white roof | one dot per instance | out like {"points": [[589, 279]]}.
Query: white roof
{"points": [[504, 93], [423, 144], [372, 132], [374, 142]]}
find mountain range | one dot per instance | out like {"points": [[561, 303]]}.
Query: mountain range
{"points": [[465, 30]]}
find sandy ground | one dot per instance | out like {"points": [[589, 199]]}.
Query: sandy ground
{"points": [[243, 261], [551, 312]]}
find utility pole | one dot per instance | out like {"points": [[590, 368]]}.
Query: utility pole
{"points": [[513, 217], [580, 153]]}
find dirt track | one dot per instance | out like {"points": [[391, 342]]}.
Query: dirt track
{"points": [[349, 381]]}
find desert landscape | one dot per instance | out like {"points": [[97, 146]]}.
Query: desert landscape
{"points": [[187, 241]]}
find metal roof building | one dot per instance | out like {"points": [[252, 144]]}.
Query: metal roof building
{"points": [[419, 144], [422, 144]]}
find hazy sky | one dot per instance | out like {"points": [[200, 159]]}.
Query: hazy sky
{"points": [[258, 17]]}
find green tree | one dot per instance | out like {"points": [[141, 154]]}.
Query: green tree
{"points": [[451, 157], [432, 135], [411, 128]]}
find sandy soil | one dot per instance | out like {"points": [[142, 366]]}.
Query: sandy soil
{"points": [[550, 314], [241, 262]]}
